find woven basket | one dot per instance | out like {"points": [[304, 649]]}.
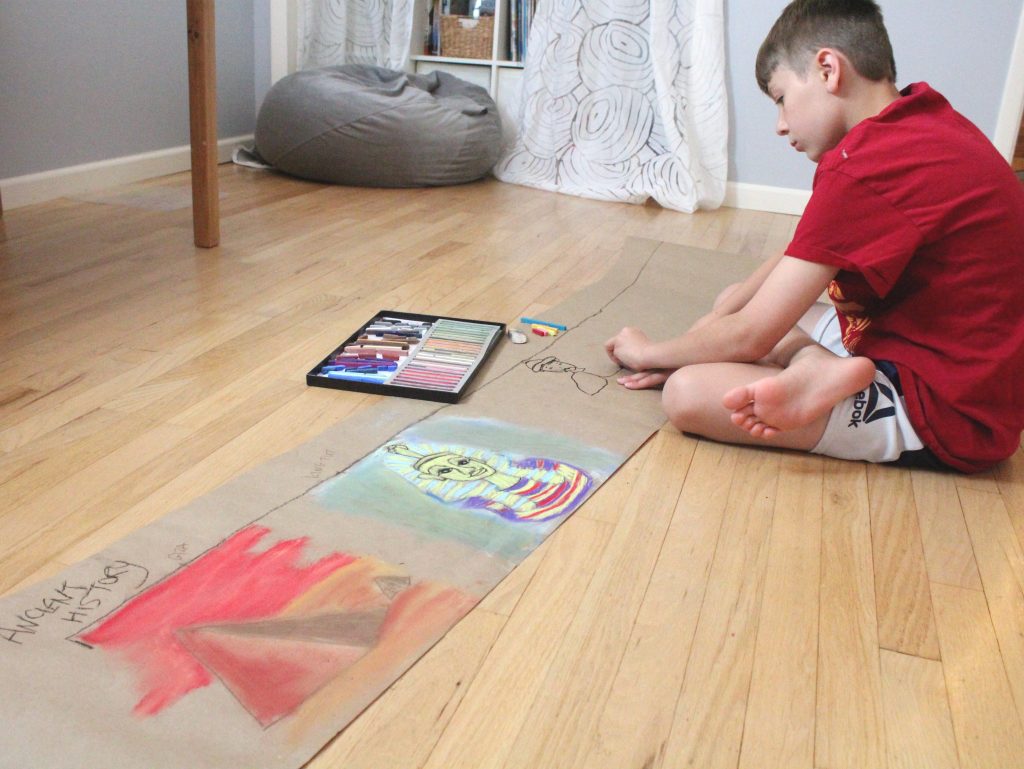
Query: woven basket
{"points": [[463, 37]]}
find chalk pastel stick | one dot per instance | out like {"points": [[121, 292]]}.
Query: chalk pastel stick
{"points": [[379, 354], [373, 348], [558, 326], [383, 343], [407, 321], [404, 333], [362, 365], [356, 377]]}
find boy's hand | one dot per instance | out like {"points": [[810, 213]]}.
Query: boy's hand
{"points": [[627, 348], [643, 380]]}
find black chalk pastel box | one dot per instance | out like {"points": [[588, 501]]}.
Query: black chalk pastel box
{"points": [[430, 357]]}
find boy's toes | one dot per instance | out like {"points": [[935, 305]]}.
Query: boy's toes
{"points": [[738, 397], [745, 420]]}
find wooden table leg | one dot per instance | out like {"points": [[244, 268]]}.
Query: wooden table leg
{"points": [[202, 104]]}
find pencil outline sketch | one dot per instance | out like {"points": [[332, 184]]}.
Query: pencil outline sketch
{"points": [[586, 382]]}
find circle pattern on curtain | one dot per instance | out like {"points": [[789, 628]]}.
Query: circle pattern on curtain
{"points": [[624, 100], [334, 32]]}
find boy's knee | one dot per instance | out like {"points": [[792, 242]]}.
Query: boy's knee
{"points": [[682, 397]]}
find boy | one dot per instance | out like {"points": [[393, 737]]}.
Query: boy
{"points": [[915, 228]]}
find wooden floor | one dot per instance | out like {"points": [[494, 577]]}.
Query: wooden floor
{"points": [[708, 607]]}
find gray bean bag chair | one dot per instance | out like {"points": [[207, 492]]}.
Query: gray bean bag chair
{"points": [[373, 127]]}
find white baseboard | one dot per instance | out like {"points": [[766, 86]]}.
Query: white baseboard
{"points": [[758, 197], [25, 190]]}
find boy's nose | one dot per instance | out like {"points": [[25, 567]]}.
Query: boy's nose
{"points": [[781, 128]]}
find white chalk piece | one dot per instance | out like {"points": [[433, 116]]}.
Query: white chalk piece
{"points": [[516, 337]]}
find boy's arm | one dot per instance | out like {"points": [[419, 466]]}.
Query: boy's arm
{"points": [[742, 292], [748, 334]]}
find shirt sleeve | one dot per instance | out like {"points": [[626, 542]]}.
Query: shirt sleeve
{"points": [[849, 226]]}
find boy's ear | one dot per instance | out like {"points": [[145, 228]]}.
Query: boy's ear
{"points": [[830, 67]]}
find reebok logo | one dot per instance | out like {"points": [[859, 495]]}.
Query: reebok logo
{"points": [[866, 406]]}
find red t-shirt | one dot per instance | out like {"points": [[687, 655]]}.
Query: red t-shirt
{"points": [[925, 220]]}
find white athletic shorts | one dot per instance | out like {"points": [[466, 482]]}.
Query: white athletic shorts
{"points": [[871, 425]]}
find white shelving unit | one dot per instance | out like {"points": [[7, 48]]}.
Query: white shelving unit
{"points": [[499, 75]]}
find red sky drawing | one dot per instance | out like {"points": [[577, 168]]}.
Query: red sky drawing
{"points": [[208, 606]]}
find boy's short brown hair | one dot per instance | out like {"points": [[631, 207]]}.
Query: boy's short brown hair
{"points": [[853, 27]]}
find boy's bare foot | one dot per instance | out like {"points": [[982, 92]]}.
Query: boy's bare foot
{"points": [[812, 384]]}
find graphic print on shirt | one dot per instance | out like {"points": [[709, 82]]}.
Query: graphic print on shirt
{"points": [[853, 318]]}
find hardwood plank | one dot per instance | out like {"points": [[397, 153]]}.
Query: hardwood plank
{"points": [[1009, 477], [988, 731], [68, 512], [635, 722], [779, 726], [707, 728], [528, 646], [232, 453], [902, 602], [919, 729], [948, 554], [568, 707], [1001, 563], [106, 380], [610, 500], [850, 729]]}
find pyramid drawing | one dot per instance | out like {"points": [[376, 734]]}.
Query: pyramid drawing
{"points": [[272, 666]]}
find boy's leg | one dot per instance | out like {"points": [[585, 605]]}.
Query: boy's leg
{"points": [[805, 390], [692, 399], [787, 397], [811, 381]]}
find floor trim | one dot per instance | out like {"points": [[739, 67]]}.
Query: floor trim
{"points": [[758, 197], [26, 190]]}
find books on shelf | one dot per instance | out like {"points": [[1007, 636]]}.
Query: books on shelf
{"points": [[521, 14]]}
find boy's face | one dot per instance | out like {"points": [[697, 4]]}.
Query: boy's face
{"points": [[810, 114]]}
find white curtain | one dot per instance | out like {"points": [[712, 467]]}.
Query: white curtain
{"points": [[624, 100], [334, 32]]}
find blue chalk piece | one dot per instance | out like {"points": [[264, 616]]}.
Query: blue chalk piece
{"points": [[559, 326], [352, 376]]}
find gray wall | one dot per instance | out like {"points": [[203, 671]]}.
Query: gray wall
{"points": [[961, 49], [261, 47], [87, 80]]}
